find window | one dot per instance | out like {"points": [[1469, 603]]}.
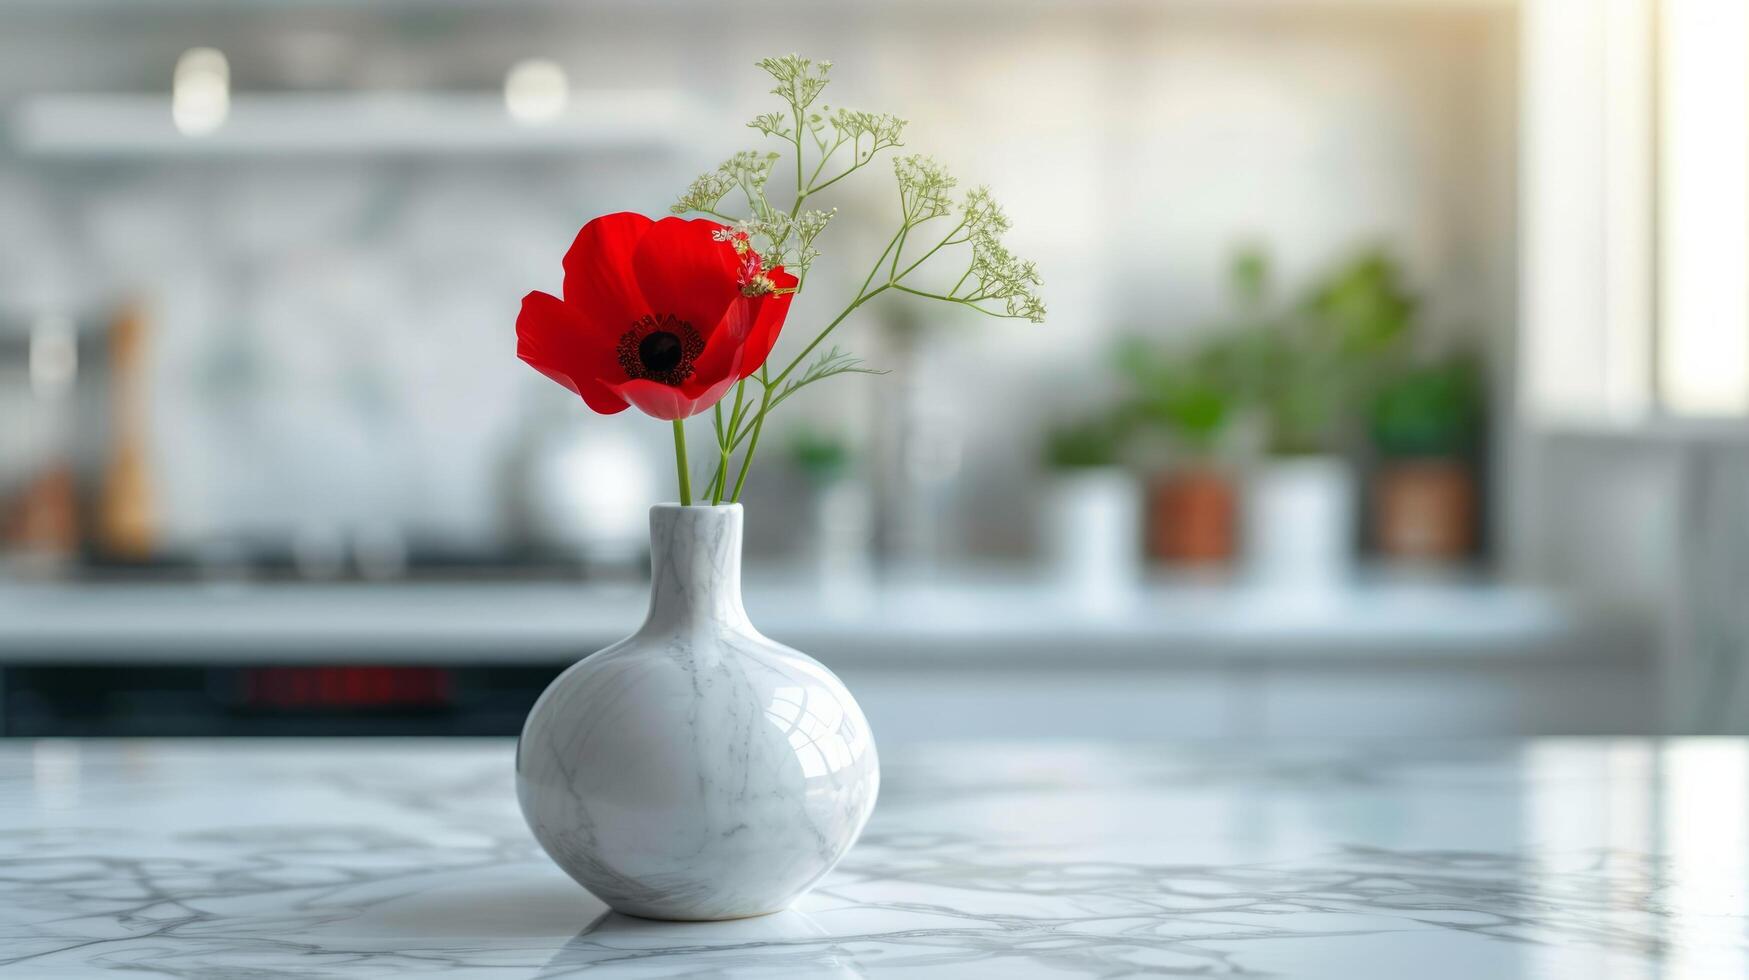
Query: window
{"points": [[1635, 209]]}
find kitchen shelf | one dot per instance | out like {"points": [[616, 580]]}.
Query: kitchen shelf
{"points": [[138, 125], [974, 656], [934, 623]]}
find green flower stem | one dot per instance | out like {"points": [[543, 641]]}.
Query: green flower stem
{"points": [[751, 436], [893, 269], [825, 155], [853, 168], [680, 464], [710, 489], [801, 182], [765, 401], [735, 413], [740, 415], [967, 301], [752, 445], [863, 295], [725, 443], [956, 286], [946, 240], [860, 299]]}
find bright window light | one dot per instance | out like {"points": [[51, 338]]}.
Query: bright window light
{"points": [[200, 94], [1587, 212], [1635, 244], [1703, 353], [536, 91]]}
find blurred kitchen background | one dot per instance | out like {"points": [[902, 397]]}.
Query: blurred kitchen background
{"points": [[1395, 379]]}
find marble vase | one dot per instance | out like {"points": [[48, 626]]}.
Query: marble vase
{"points": [[696, 770]]}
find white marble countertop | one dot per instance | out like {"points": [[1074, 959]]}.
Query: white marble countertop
{"points": [[1584, 859], [971, 618]]}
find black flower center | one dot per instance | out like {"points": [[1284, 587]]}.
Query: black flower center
{"points": [[660, 352], [661, 348]]}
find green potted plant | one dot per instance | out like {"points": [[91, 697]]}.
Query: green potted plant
{"points": [[1426, 424], [1187, 398], [1307, 368]]}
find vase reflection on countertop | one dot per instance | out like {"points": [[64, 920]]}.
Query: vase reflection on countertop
{"points": [[697, 770], [627, 942]]}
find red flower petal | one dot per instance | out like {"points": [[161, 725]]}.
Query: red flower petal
{"points": [[683, 270], [553, 338], [622, 267], [768, 314], [723, 352], [662, 401], [598, 271]]}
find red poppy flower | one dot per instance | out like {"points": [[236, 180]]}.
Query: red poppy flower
{"points": [[665, 315]]}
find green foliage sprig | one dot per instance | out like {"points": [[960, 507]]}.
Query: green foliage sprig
{"points": [[828, 145]]}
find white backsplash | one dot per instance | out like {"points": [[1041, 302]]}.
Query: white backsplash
{"points": [[333, 336]]}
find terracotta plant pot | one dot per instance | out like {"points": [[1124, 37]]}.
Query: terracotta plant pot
{"points": [[1426, 510], [1192, 516]]}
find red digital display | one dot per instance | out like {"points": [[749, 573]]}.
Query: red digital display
{"points": [[294, 688]]}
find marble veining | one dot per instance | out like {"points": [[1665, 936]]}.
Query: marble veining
{"points": [[697, 770], [292, 858]]}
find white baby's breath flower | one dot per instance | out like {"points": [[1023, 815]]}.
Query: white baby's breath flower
{"points": [[799, 80], [771, 124], [867, 133], [1000, 275], [923, 188], [983, 216], [748, 170]]}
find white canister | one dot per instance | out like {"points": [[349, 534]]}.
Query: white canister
{"points": [[1299, 522]]}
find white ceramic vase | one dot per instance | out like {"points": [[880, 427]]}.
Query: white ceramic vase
{"points": [[696, 770]]}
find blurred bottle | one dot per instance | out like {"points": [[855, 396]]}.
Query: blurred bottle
{"points": [[125, 526], [40, 521], [42, 524], [918, 450]]}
